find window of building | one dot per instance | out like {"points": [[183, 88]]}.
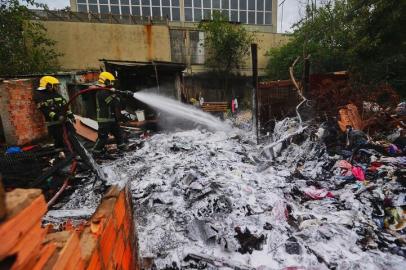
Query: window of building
{"points": [[260, 5], [146, 2], [104, 9], [92, 2], [207, 14], [166, 12], [260, 18], [136, 10], [243, 17], [125, 10], [176, 14], [125, 2], [234, 16], [135, 2], [268, 18], [251, 17], [115, 9], [188, 3], [156, 11], [82, 8], [106, 2], [93, 8], [251, 5], [206, 3], [188, 14], [81, 1], [146, 11], [175, 3], [197, 3], [197, 14], [268, 5], [216, 3], [243, 4], [114, 2], [224, 4], [156, 3], [166, 3], [234, 4]]}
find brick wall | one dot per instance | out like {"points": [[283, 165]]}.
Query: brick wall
{"points": [[22, 122], [114, 244], [107, 241]]}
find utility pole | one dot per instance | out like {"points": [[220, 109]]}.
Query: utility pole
{"points": [[281, 4], [254, 54]]}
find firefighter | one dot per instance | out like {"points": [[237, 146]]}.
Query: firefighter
{"points": [[108, 111], [52, 105]]}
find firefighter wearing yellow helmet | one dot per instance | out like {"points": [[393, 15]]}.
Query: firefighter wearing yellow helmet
{"points": [[52, 106], [108, 108]]}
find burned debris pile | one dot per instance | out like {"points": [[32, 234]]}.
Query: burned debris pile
{"points": [[318, 197]]}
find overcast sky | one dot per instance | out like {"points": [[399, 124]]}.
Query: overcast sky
{"points": [[292, 11]]}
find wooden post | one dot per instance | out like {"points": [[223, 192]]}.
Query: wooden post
{"points": [[254, 54]]}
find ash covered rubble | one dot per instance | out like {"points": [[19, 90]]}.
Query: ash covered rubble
{"points": [[209, 200]]}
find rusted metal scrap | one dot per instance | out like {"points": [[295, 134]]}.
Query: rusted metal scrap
{"points": [[349, 116]]}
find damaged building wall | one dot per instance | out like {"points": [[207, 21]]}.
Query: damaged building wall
{"points": [[106, 242], [265, 41], [187, 46], [83, 44], [22, 122]]}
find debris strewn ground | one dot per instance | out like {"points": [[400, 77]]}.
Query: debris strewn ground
{"points": [[214, 199]]}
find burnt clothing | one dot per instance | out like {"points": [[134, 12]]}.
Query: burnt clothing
{"points": [[107, 106], [103, 132], [52, 105]]}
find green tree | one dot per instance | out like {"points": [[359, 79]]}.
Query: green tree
{"points": [[365, 37], [379, 40], [24, 47], [323, 34], [226, 45]]}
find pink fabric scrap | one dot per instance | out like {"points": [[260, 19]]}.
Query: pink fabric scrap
{"points": [[317, 194], [345, 167], [358, 172]]}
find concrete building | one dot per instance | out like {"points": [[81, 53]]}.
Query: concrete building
{"points": [[81, 39], [259, 13]]}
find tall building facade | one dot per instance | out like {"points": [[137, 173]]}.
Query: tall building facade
{"points": [[252, 12]]}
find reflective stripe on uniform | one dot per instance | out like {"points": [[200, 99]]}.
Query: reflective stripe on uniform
{"points": [[102, 119], [105, 120], [109, 99], [53, 123]]}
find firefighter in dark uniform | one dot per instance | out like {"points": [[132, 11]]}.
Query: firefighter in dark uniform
{"points": [[108, 111], [52, 106]]}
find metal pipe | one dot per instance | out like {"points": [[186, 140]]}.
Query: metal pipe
{"points": [[254, 53]]}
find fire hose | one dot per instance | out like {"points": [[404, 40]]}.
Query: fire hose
{"points": [[74, 145]]}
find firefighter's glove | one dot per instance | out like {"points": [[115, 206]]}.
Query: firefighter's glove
{"points": [[71, 116], [62, 118]]}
